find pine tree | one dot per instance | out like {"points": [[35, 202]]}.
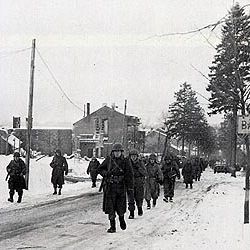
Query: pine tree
{"points": [[187, 119], [230, 70]]}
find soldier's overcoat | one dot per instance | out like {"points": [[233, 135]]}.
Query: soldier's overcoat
{"points": [[59, 165], [118, 178], [16, 170], [154, 175]]}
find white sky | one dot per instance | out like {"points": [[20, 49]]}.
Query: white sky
{"points": [[99, 52]]}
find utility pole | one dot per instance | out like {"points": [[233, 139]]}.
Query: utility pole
{"points": [[124, 132], [30, 108], [234, 146]]}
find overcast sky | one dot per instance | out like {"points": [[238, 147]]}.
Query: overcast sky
{"points": [[104, 51]]}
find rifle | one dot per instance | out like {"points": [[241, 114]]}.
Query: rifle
{"points": [[108, 173], [7, 177], [101, 186]]}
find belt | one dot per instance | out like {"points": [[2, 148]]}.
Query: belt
{"points": [[116, 178]]}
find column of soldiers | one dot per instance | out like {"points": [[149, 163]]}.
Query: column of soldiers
{"points": [[131, 178], [135, 179]]}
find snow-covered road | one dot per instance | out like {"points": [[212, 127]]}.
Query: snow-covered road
{"points": [[207, 217]]}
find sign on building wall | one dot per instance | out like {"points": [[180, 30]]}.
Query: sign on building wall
{"points": [[243, 124]]}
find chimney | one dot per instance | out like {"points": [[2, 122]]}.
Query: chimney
{"points": [[88, 108]]}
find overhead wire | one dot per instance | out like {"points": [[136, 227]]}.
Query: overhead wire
{"points": [[57, 82], [13, 52]]}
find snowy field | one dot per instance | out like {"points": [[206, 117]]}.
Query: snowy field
{"points": [[40, 187], [208, 217]]}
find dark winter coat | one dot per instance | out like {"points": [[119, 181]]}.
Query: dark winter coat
{"points": [[140, 173], [154, 176], [170, 171], [92, 169], [187, 172], [59, 165], [197, 169], [118, 178], [16, 171]]}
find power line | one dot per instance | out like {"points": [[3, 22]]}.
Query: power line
{"points": [[13, 52], [57, 82]]}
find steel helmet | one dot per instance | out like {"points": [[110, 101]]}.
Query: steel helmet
{"points": [[16, 154], [58, 151], [134, 152], [152, 156], [117, 147]]}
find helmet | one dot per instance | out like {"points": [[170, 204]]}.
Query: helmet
{"points": [[168, 157], [134, 152], [117, 147], [152, 156], [16, 154], [58, 151]]}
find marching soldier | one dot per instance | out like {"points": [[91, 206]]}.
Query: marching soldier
{"points": [[153, 178], [16, 171], [187, 172], [118, 179], [60, 166], [139, 171], [170, 172], [197, 169], [92, 170]]}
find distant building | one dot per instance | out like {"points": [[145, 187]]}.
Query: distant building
{"points": [[155, 140], [95, 133], [47, 140]]}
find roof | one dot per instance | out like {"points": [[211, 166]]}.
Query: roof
{"points": [[105, 108]]}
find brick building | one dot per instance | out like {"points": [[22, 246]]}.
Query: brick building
{"points": [[95, 133]]}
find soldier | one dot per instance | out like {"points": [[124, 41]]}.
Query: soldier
{"points": [[153, 178], [59, 165], [187, 172], [197, 169], [118, 179], [16, 171], [139, 171], [92, 170], [170, 172]]}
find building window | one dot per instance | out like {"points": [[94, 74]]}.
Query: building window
{"points": [[97, 126], [104, 127]]}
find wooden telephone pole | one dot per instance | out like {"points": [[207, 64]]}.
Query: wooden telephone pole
{"points": [[124, 132], [30, 108]]}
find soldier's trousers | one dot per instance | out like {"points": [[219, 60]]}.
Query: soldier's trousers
{"points": [[19, 191], [168, 186]]}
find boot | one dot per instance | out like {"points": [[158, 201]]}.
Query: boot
{"points": [[165, 199], [123, 225], [60, 191], [112, 228], [171, 199], [19, 199], [20, 195], [140, 211], [11, 198], [191, 186], [132, 215], [55, 191], [154, 202], [93, 185], [148, 205], [186, 185]]}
